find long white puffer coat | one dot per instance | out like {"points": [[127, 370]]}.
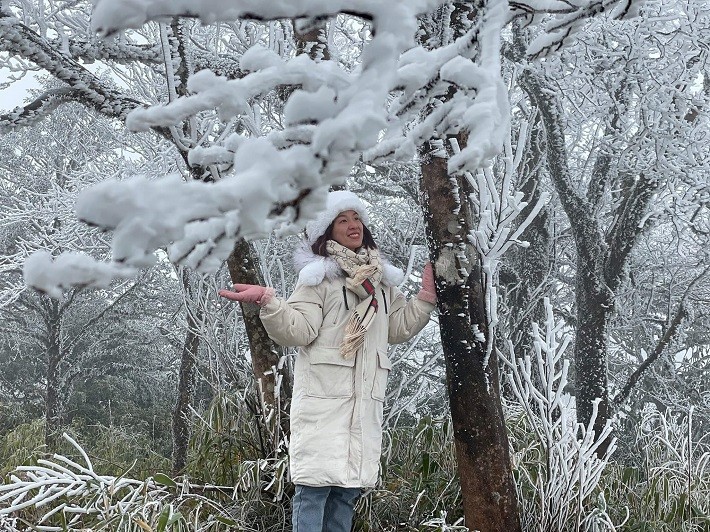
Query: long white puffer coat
{"points": [[337, 404]]}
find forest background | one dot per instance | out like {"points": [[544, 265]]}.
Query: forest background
{"points": [[550, 158]]}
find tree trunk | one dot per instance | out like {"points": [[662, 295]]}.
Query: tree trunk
{"points": [[186, 383], [265, 354], [602, 256], [54, 357], [482, 450], [595, 308]]}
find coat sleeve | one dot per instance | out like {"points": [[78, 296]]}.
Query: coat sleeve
{"points": [[406, 318], [296, 321]]}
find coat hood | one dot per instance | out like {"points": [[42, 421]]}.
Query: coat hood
{"points": [[312, 269]]}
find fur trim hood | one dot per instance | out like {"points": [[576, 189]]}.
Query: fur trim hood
{"points": [[312, 269], [335, 203]]}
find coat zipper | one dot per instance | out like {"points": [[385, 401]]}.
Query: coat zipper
{"points": [[345, 298]]}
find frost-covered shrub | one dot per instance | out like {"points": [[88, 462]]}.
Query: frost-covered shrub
{"points": [[58, 493], [556, 462]]}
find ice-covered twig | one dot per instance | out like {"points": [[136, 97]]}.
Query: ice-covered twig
{"points": [[571, 468], [498, 227]]}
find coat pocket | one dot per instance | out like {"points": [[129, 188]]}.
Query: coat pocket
{"points": [[329, 374], [379, 383]]}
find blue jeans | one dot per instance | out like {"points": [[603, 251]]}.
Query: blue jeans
{"points": [[324, 509]]}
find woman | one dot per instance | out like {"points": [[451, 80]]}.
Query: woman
{"points": [[344, 311]]}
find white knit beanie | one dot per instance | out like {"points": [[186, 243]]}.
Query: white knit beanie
{"points": [[335, 203]]}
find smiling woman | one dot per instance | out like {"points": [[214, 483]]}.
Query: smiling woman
{"points": [[345, 310], [347, 230]]}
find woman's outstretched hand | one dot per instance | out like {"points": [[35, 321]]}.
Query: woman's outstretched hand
{"points": [[248, 293], [428, 290]]}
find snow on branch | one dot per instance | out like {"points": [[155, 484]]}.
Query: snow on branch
{"points": [[335, 115], [498, 227], [331, 120], [197, 222], [20, 40], [568, 18], [50, 276], [479, 105], [232, 97], [41, 107], [89, 50], [111, 16]]}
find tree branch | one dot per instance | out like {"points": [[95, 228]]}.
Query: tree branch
{"points": [[587, 233], [41, 107], [666, 339], [90, 50], [109, 24], [627, 227], [18, 39]]}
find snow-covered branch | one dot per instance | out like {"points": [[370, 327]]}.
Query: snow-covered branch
{"points": [[674, 329], [568, 18], [89, 50], [69, 270], [497, 227], [571, 470], [111, 16], [578, 208], [16, 38], [346, 114], [330, 121], [40, 108]]}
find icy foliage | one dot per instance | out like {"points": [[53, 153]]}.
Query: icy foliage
{"points": [[498, 207], [334, 117], [75, 491], [571, 472]]}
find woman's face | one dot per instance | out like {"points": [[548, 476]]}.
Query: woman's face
{"points": [[347, 230]]}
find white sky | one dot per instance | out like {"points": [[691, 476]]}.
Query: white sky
{"points": [[16, 93]]}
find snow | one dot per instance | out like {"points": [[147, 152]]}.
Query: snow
{"points": [[110, 16], [258, 57], [305, 107], [463, 72], [332, 120], [52, 276]]}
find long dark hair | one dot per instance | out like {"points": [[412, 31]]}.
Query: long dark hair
{"points": [[319, 246]]}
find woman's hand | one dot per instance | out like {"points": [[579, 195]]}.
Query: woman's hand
{"points": [[428, 290], [249, 293]]}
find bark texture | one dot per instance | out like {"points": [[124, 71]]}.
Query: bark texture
{"points": [[186, 382], [265, 354], [52, 401], [482, 449]]}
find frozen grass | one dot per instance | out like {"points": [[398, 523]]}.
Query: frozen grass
{"points": [[670, 491]]}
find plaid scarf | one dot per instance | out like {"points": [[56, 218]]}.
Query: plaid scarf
{"points": [[364, 270]]}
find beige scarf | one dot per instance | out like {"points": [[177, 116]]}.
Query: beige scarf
{"points": [[364, 270]]}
